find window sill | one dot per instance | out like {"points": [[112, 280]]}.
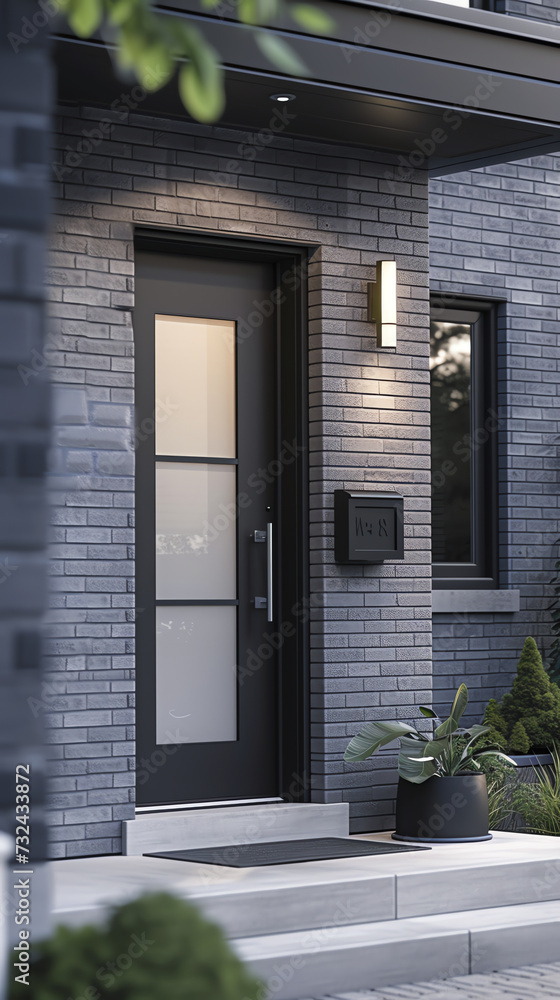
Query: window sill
{"points": [[446, 601]]}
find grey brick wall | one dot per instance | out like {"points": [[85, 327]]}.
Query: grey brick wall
{"points": [[369, 427], [532, 9], [496, 233], [26, 85]]}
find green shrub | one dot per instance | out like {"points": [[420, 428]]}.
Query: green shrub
{"points": [[519, 741], [497, 724], [157, 947], [534, 702]]}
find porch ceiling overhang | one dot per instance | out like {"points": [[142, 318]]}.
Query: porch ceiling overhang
{"points": [[456, 87]]}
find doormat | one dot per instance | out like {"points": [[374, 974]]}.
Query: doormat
{"points": [[285, 852]]}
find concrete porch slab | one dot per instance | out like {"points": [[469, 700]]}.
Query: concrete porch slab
{"points": [[509, 870]]}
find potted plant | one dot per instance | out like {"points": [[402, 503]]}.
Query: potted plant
{"points": [[442, 795]]}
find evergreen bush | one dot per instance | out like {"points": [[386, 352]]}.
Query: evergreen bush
{"points": [[529, 715], [519, 741], [157, 947]]}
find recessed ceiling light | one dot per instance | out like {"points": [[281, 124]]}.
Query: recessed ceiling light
{"points": [[282, 97]]}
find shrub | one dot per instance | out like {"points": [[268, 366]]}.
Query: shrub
{"points": [[533, 702], [157, 946], [539, 802], [497, 724], [519, 741]]}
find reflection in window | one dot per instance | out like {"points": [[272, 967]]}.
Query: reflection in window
{"points": [[450, 380]]}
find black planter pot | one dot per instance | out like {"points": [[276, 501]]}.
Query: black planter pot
{"points": [[443, 810]]}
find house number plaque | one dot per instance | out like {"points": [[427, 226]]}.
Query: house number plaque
{"points": [[368, 527]]}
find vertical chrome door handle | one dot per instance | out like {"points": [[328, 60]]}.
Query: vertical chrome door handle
{"points": [[266, 602], [269, 569]]}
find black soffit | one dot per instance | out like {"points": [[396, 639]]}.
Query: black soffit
{"points": [[285, 852], [388, 96]]}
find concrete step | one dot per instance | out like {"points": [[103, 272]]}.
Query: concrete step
{"points": [[509, 870], [219, 826], [330, 960]]}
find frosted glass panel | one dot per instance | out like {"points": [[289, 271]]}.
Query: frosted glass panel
{"points": [[195, 387], [195, 532], [196, 686]]}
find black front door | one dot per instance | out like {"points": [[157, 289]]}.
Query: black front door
{"points": [[207, 526]]}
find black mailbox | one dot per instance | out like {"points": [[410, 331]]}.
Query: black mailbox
{"points": [[368, 527]]}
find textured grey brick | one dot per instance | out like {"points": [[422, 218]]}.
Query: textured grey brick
{"points": [[91, 356], [528, 548]]}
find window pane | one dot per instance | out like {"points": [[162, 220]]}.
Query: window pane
{"points": [[196, 677], [195, 532], [450, 374], [195, 387]]}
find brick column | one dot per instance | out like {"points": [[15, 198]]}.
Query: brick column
{"points": [[26, 93]]}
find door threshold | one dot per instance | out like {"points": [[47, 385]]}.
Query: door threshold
{"points": [[207, 805]]}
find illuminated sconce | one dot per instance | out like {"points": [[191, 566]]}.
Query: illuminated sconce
{"points": [[382, 302]]}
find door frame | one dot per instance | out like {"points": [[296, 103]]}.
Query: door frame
{"points": [[291, 261]]}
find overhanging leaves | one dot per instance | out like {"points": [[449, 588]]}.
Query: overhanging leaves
{"points": [[281, 54], [312, 18], [84, 16], [151, 44]]}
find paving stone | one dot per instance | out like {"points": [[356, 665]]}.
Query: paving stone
{"points": [[512, 984]]}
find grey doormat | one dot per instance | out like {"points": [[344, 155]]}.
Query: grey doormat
{"points": [[285, 852]]}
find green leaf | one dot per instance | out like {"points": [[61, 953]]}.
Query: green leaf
{"points": [[460, 703], [446, 729], [495, 753], [312, 18], [375, 735], [121, 10], [280, 54], [84, 16], [248, 11], [257, 11], [203, 97], [427, 712], [475, 733], [423, 748], [416, 769], [451, 724], [154, 66]]}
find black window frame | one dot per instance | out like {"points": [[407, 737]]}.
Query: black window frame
{"points": [[482, 572]]}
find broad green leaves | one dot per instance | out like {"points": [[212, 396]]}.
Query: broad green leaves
{"points": [[153, 45], [417, 769], [375, 735], [451, 750]]}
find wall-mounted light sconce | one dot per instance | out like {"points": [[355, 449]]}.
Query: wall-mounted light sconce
{"points": [[382, 302]]}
